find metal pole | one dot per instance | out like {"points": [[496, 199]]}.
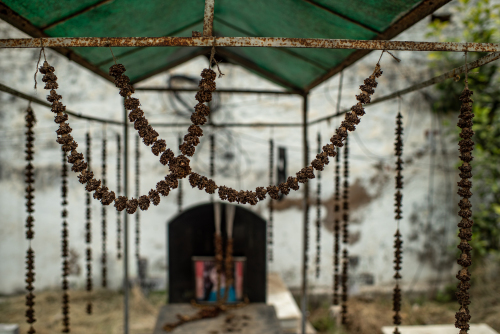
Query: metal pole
{"points": [[125, 226], [208, 19], [305, 210], [273, 42]]}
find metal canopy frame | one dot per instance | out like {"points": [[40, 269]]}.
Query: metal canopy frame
{"points": [[362, 47], [423, 9]]}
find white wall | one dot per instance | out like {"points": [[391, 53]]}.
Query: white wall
{"points": [[428, 237]]}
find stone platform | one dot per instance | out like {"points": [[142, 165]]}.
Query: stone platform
{"points": [[251, 319], [439, 329]]}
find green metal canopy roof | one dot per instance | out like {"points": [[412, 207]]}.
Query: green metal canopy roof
{"points": [[294, 69]]}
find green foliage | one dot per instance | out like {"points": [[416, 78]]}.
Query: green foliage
{"points": [[447, 294], [475, 21], [324, 324]]}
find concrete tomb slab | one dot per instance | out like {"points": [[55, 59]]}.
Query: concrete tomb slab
{"points": [[439, 329]]}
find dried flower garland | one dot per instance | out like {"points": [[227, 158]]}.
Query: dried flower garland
{"points": [[30, 234], [88, 231], [179, 165], [318, 217], [104, 269], [219, 260], [180, 193], [466, 145], [398, 257], [212, 160], [137, 195], [64, 245], [270, 226], [228, 263], [336, 228], [118, 192], [345, 235]]}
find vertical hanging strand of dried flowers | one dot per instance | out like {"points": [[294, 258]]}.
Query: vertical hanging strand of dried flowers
{"points": [[64, 245], [180, 193], [466, 145], [30, 254], [104, 270], [118, 192], [88, 231], [212, 160], [137, 194], [336, 229], [345, 235], [397, 237], [318, 216], [270, 222]]}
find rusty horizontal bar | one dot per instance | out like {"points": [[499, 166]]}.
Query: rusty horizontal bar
{"points": [[33, 99], [219, 90], [448, 75], [229, 125], [423, 9], [275, 42], [73, 15]]}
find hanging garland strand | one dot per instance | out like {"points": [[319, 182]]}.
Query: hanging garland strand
{"points": [[466, 146], [137, 192], [104, 269], [398, 243], [30, 234], [336, 227], [64, 246], [270, 226], [345, 235], [88, 232], [118, 192], [212, 160], [318, 217], [179, 191], [179, 165]]}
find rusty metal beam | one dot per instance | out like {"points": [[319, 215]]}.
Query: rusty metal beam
{"points": [[208, 18], [229, 125], [218, 91], [331, 11], [239, 60], [425, 8], [274, 42], [11, 17], [448, 75], [179, 61], [69, 17], [128, 53], [33, 99], [288, 51]]}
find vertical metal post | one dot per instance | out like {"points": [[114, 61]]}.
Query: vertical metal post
{"points": [[125, 226], [305, 210], [208, 19]]}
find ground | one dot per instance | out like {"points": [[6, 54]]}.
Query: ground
{"points": [[107, 317], [371, 312]]}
